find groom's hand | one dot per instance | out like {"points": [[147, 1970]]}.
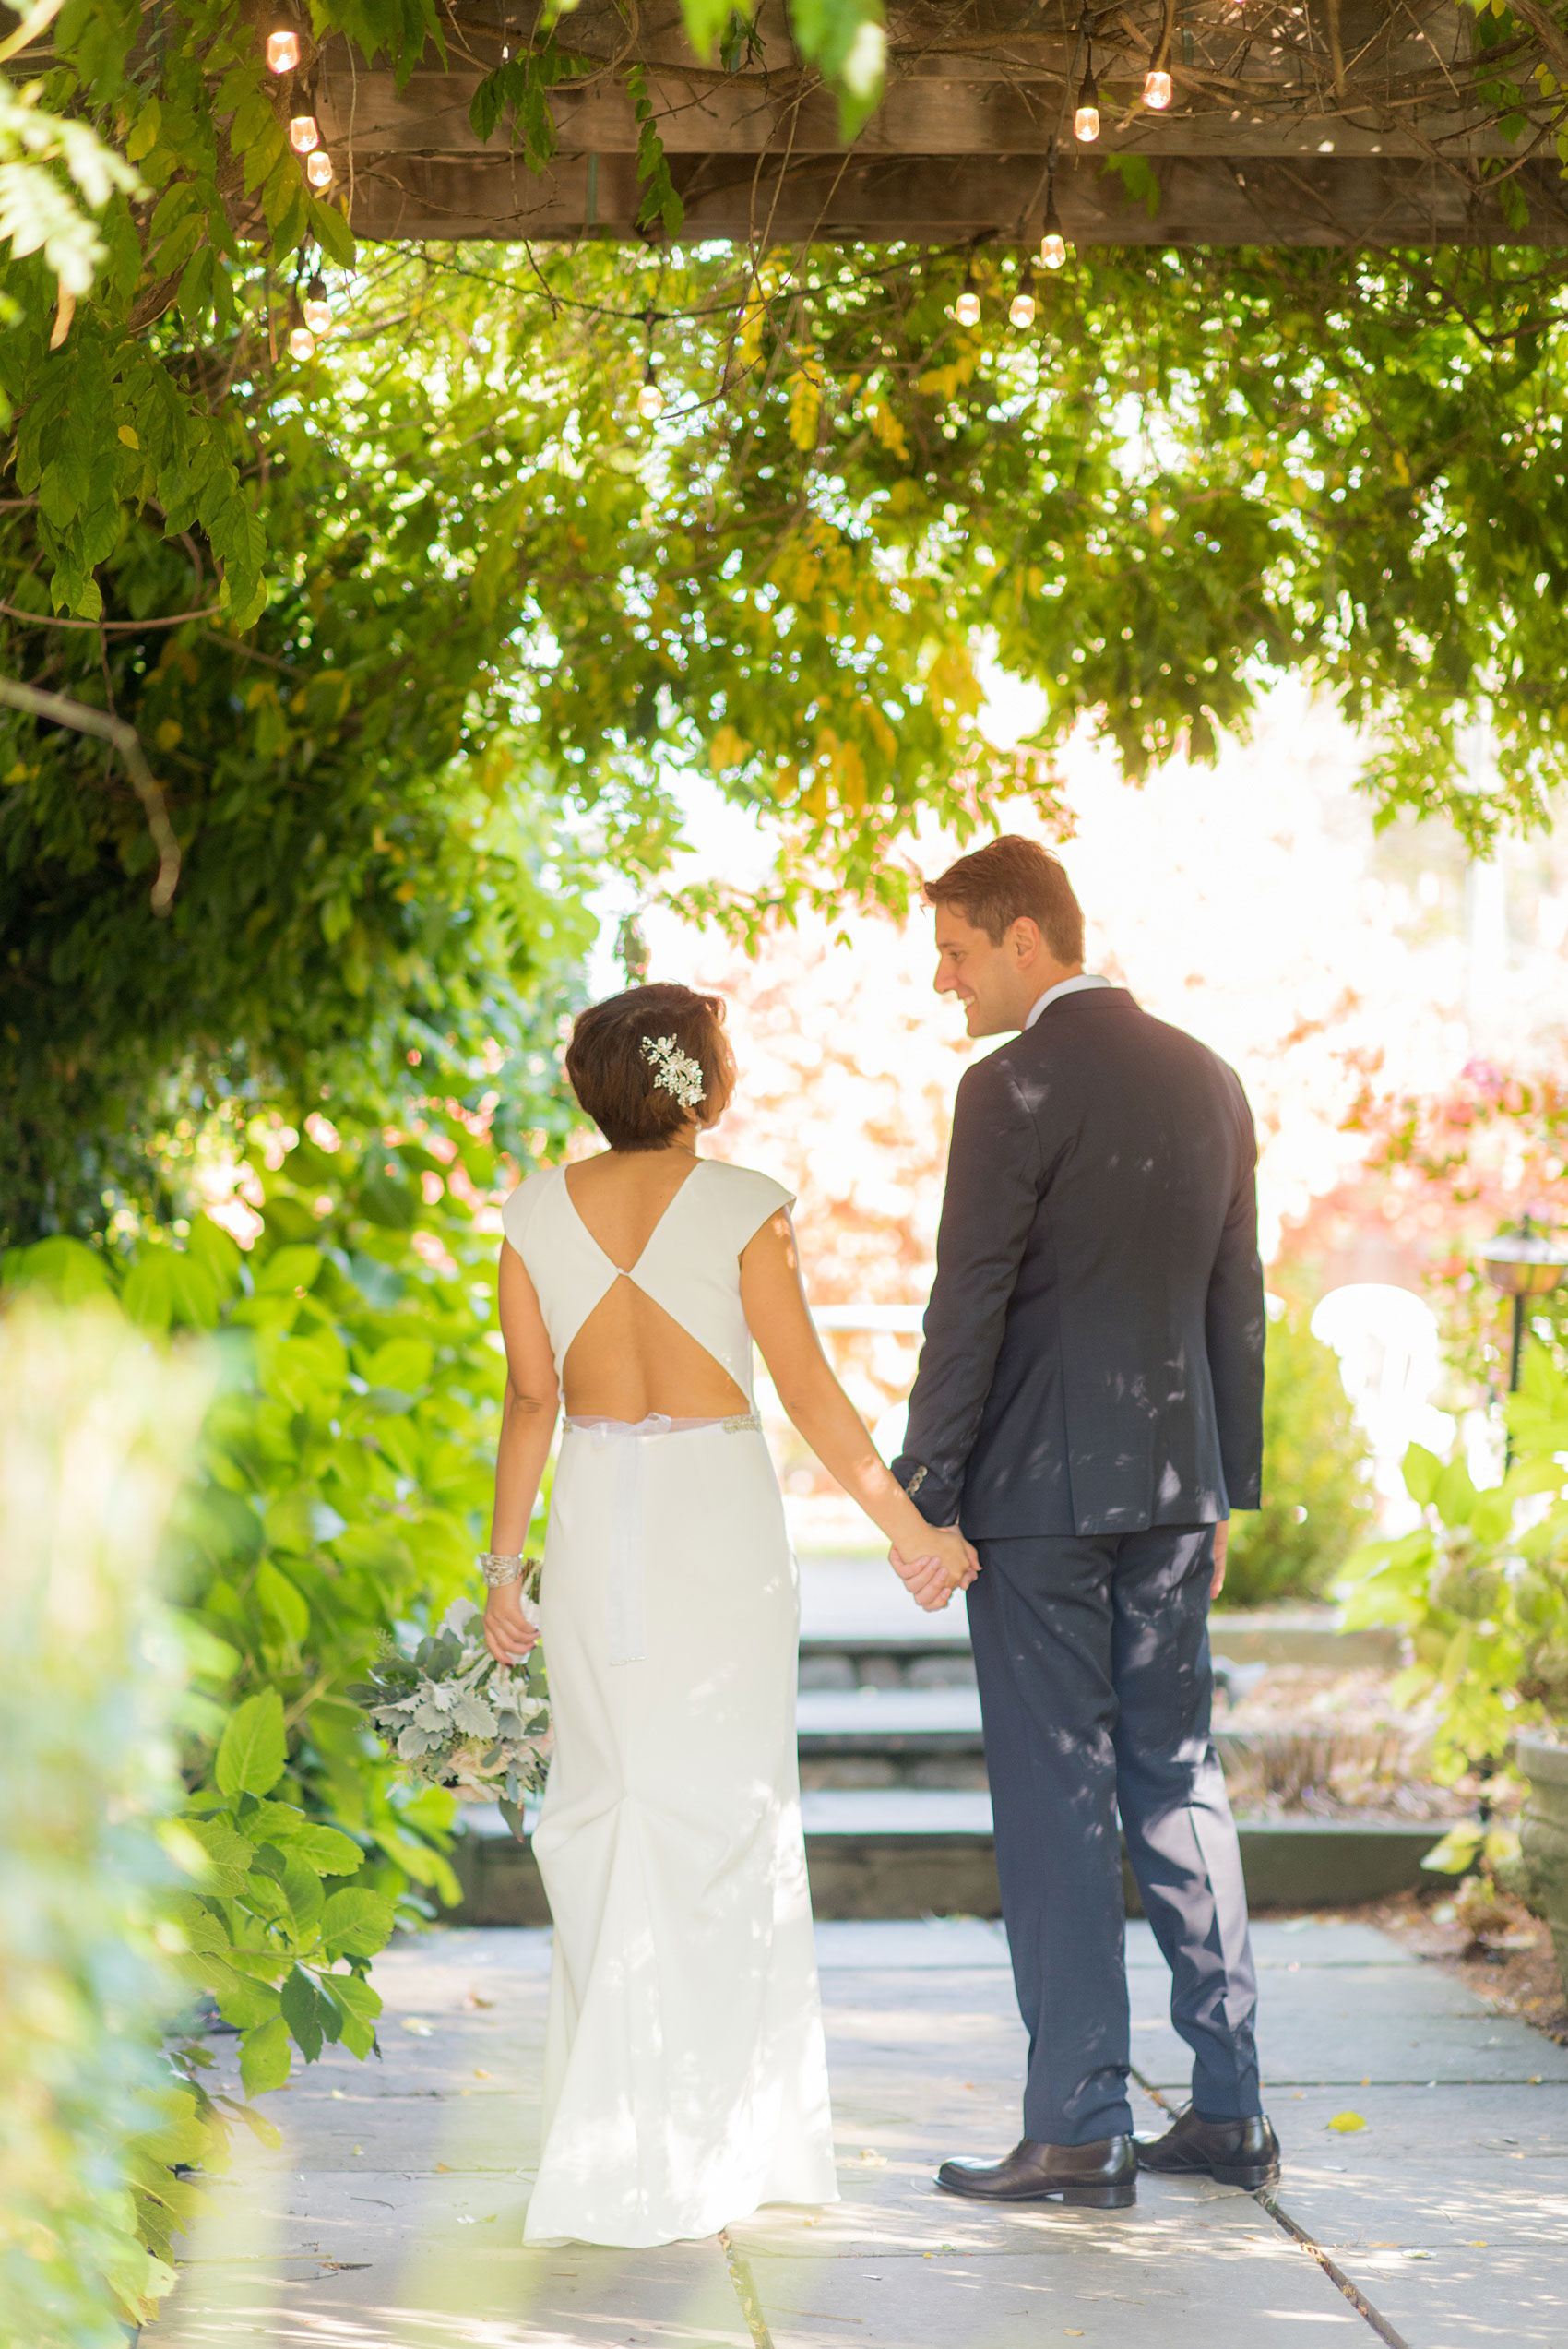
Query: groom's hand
{"points": [[1221, 1544], [931, 1578]]}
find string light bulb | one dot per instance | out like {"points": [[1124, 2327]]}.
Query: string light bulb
{"points": [[1052, 243], [651, 398], [282, 51], [967, 309], [1086, 114], [305, 134], [1157, 88], [316, 309], [301, 343], [318, 167], [1021, 310]]}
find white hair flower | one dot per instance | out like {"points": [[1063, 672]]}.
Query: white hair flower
{"points": [[675, 1071]]}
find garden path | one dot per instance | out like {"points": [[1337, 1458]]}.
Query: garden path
{"points": [[392, 2217]]}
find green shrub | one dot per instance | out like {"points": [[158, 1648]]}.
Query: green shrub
{"points": [[1316, 1476], [337, 1491], [1482, 1584], [92, 1438]]}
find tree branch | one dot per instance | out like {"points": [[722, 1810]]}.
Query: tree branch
{"points": [[55, 708]]}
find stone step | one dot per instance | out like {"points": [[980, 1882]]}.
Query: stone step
{"points": [[855, 1611], [905, 1852], [889, 1721]]}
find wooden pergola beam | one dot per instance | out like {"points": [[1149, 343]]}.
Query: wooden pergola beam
{"points": [[1311, 122], [922, 114], [939, 200]]}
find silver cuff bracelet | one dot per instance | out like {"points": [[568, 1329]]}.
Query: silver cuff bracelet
{"points": [[498, 1569]]}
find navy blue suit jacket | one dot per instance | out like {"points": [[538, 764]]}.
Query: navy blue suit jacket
{"points": [[1093, 1354]]}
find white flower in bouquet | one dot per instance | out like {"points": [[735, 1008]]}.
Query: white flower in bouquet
{"points": [[454, 1717]]}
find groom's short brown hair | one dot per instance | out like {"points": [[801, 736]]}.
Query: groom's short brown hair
{"points": [[995, 886]]}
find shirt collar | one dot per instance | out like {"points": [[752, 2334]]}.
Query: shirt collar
{"points": [[1066, 987]]}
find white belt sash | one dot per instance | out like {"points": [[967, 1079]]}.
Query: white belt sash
{"points": [[625, 1629]]}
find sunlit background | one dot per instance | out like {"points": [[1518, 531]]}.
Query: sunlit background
{"points": [[1343, 971]]}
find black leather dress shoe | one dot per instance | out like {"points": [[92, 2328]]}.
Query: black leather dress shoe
{"points": [[1233, 2153], [1101, 2177]]}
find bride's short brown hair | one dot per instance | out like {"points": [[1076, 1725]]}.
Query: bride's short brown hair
{"points": [[609, 1068]]}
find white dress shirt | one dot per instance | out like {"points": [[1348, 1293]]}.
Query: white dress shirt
{"points": [[1067, 987]]}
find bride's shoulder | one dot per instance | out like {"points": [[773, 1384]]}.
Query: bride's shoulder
{"points": [[517, 1208], [747, 1196]]}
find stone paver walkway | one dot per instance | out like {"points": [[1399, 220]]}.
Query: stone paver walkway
{"points": [[392, 2219]]}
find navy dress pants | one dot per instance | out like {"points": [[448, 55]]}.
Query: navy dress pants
{"points": [[1092, 1656]]}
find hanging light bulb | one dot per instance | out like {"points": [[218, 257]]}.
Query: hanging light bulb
{"points": [[1086, 115], [651, 398], [301, 343], [316, 309], [1022, 309], [318, 167], [282, 51], [1052, 243], [967, 309], [305, 134], [1157, 88]]}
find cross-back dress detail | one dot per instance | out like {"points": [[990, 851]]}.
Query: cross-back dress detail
{"points": [[689, 1265]]}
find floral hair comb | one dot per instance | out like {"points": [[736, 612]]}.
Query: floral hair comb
{"points": [[674, 1071]]}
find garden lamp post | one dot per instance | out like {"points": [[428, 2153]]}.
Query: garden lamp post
{"points": [[1523, 1264]]}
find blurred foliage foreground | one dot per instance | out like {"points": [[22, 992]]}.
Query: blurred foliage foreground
{"points": [[338, 1432]]}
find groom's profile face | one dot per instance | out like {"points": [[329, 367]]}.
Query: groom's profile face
{"points": [[996, 982]]}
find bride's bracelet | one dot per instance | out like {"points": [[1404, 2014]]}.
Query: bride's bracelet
{"points": [[499, 1567]]}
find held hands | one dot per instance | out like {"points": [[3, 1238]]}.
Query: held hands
{"points": [[949, 1565], [509, 1634]]}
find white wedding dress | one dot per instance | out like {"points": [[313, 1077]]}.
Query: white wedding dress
{"points": [[685, 2080]]}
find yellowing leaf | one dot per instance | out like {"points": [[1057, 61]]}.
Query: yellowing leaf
{"points": [[127, 435], [805, 403], [169, 734], [1347, 2124], [728, 749], [886, 428]]}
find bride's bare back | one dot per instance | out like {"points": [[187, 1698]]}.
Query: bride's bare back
{"points": [[631, 1357]]}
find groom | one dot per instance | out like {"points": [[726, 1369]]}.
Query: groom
{"points": [[1089, 1408]]}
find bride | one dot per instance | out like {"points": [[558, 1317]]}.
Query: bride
{"points": [[685, 2081]]}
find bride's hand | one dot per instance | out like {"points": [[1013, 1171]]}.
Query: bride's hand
{"points": [[932, 1576], [509, 1634]]}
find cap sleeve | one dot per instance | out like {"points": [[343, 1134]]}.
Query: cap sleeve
{"points": [[517, 1208], [752, 1199]]}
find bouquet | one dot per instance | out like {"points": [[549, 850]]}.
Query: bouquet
{"points": [[454, 1717]]}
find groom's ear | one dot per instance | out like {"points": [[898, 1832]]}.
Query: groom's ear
{"points": [[1023, 940]]}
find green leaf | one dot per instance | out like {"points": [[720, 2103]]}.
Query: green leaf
{"points": [[254, 1751], [1421, 1470], [282, 1602], [300, 2009], [301, 1887], [1456, 1851], [265, 2057], [166, 1287], [326, 1849], [70, 1271], [215, 1250], [266, 2131], [288, 1269], [404, 1364], [356, 1923], [247, 2004], [1456, 1494], [228, 1853]]}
